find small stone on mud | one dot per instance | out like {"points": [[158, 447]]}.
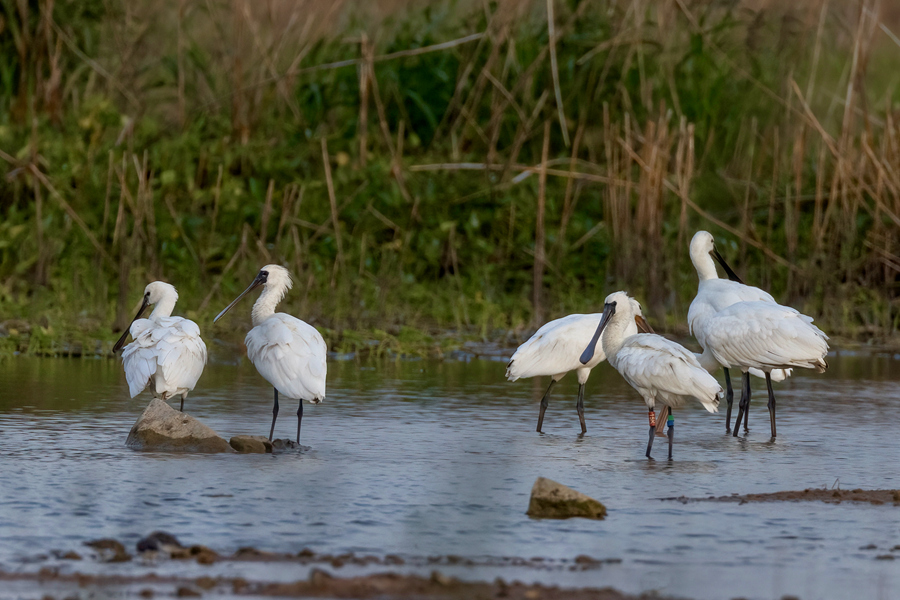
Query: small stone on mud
{"points": [[158, 540], [318, 577], [186, 592], [885, 557], [204, 555], [306, 553], [161, 428], [584, 559], [251, 444], [71, 555], [109, 550], [869, 547], [552, 500], [146, 593], [441, 579]]}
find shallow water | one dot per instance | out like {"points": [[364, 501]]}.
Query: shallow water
{"points": [[426, 458]]}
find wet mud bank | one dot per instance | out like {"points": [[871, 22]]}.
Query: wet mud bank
{"points": [[829, 496]]}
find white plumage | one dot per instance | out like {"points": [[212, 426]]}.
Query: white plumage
{"points": [[287, 352], [554, 350], [741, 326], [764, 336], [665, 372], [167, 353], [662, 371], [713, 295]]}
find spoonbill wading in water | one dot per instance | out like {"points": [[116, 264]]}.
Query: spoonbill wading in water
{"points": [[713, 295], [554, 350], [167, 352], [287, 352], [661, 370]]}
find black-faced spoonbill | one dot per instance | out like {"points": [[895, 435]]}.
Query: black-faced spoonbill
{"points": [[661, 370], [287, 352], [554, 350], [167, 352], [713, 295]]}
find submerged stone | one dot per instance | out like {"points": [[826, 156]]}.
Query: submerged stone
{"points": [[251, 444], [161, 428], [552, 500], [283, 444]]}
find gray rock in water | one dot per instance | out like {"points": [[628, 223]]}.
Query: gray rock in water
{"points": [[285, 444], [552, 500], [251, 444], [162, 428]]}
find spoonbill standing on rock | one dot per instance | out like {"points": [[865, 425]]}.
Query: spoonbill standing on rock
{"points": [[167, 351], [554, 350], [713, 295], [659, 369], [287, 352]]}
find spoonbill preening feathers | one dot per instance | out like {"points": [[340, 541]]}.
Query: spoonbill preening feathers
{"points": [[167, 352]]}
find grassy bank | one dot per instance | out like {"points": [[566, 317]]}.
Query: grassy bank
{"points": [[424, 167]]}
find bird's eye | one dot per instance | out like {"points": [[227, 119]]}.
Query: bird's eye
{"points": [[263, 275]]}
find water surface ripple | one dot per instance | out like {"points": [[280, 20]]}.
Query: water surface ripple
{"points": [[429, 458]]}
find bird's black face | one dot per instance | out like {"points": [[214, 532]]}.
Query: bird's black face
{"points": [[144, 304], [609, 309], [731, 274], [260, 279]]}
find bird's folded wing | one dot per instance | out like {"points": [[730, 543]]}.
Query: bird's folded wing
{"points": [[139, 360], [289, 354], [649, 361], [181, 353], [765, 336]]}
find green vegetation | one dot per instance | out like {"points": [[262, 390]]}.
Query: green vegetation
{"points": [[413, 189]]}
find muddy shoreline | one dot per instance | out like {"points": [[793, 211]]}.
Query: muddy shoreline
{"points": [[320, 584], [830, 496]]}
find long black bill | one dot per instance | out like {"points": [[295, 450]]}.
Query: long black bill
{"points": [[608, 311], [731, 274], [260, 279], [144, 304]]}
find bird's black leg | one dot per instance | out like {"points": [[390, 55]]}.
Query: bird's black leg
{"points": [[729, 398], [745, 402], [746, 382], [274, 416], [299, 420], [544, 402], [670, 422], [771, 403], [579, 408], [182, 403], [652, 433]]}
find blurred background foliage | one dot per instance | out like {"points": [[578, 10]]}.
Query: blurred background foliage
{"points": [[422, 167]]}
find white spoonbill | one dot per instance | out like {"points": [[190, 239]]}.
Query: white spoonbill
{"points": [[167, 352], [659, 369], [713, 295], [555, 349], [287, 352], [765, 336]]}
